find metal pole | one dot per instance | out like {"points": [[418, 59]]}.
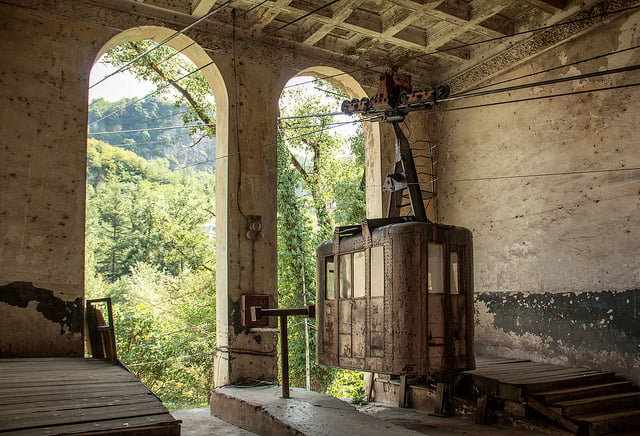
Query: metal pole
{"points": [[284, 354]]}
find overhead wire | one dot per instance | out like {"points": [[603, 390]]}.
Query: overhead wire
{"points": [[360, 69], [164, 41], [520, 100], [374, 118], [467, 95], [466, 45], [542, 83], [495, 91], [227, 54], [151, 129]]}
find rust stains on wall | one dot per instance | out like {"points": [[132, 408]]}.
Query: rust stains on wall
{"points": [[66, 313]]}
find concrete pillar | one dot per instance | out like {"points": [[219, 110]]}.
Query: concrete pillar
{"points": [[43, 107], [246, 180]]}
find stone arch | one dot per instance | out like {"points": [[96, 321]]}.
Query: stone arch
{"points": [[196, 54], [199, 57], [372, 134]]}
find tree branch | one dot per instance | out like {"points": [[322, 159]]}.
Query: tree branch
{"points": [[298, 167], [197, 108]]}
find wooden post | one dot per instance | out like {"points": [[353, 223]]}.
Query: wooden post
{"points": [[402, 398], [482, 409]]}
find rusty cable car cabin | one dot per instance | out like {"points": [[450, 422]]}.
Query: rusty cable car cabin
{"points": [[395, 296]]}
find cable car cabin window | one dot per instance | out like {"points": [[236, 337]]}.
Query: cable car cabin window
{"points": [[377, 271], [330, 292], [453, 261], [436, 271], [346, 290], [358, 274]]}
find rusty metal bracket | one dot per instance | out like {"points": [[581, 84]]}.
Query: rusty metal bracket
{"points": [[259, 313]]}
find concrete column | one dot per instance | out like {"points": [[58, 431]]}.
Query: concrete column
{"points": [[43, 107], [246, 186]]}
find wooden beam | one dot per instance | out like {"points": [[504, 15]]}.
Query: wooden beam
{"points": [[551, 6], [200, 8]]}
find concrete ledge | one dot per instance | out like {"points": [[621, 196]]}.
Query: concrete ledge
{"points": [[263, 411]]}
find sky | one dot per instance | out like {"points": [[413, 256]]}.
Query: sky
{"points": [[123, 84]]}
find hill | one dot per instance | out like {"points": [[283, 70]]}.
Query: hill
{"points": [[148, 128]]}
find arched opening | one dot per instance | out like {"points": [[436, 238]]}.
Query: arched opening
{"points": [[326, 167], [150, 226]]}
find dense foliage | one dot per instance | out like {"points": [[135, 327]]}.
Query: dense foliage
{"points": [[320, 185], [148, 250]]}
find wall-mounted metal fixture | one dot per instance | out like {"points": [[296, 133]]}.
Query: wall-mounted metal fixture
{"points": [[254, 228], [258, 308]]}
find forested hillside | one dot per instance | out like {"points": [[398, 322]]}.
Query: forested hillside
{"points": [[148, 250], [152, 128]]}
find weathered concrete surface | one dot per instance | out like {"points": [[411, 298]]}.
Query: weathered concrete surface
{"points": [[263, 411], [43, 89], [599, 328], [200, 422], [551, 191], [425, 423]]}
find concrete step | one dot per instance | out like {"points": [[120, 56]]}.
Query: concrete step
{"points": [[262, 410]]}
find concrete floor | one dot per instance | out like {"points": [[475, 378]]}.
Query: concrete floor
{"points": [[311, 413], [200, 422]]}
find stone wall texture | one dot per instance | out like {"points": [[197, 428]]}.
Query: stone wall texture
{"points": [[550, 189]]}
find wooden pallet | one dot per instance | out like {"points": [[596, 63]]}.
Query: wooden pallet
{"points": [[56, 396], [582, 400]]}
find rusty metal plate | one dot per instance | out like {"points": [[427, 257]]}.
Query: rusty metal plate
{"points": [[248, 301]]}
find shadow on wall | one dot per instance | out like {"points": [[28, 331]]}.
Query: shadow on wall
{"points": [[599, 330]]}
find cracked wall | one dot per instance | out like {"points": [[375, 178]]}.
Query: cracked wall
{"points": [[550, 189]]}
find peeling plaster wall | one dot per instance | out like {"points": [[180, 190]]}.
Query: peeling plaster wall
{"points": [[42, 178], [557, 259]]}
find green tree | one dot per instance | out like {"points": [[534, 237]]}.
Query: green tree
{"points": [[148, 251], [321, 179], [166, 68]]}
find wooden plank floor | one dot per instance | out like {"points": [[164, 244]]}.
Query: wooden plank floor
{"points": [[580, 399], [54, 396]]}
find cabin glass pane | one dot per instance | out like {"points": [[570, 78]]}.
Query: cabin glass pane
{"points": [[377, 271], [435, 269], [346, 290], [329, 274], [358, 274], [453, 261]]}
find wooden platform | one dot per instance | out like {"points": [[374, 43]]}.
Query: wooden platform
{"points": [[53, 396], [582, 400]]}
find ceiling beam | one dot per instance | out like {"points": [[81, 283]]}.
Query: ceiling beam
{"points": [[341, 13], [551, 6], [200, 8], [510, 51], [480, 11], [267, 13]]}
